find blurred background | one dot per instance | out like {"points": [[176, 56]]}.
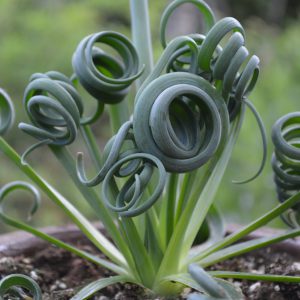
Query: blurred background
{"points": [[41, 35]]}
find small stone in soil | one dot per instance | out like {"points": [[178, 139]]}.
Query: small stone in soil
{"points": [[296, 266], [277, 288], [102, 298], [34, 275], [254, 287]]}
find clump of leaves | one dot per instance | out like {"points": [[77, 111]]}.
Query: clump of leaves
{"points": [[162, 167]]}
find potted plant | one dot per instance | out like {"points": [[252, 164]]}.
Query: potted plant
{"points": [[162, 167]]}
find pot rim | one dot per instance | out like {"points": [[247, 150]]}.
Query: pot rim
{"points": [[20, 242]]}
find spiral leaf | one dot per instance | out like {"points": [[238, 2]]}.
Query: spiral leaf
{"points": [[6, 112], [286, 162], [180, 118], [102, 75], [12, 281], [53, 110], [208, 15], [112, 153], [128, 202], [228, 62], [166, 59], [19, 185]]}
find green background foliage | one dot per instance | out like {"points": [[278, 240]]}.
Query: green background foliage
{"points": [[38, 36]]}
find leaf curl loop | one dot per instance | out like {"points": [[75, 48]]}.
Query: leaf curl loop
{"points": [[18, 185], [180, 118], [286, 162], [18, 280], [55, 109], [208, 16], [225, 66], [101, 74], [112, 153], [128, 201], [6, 112]]}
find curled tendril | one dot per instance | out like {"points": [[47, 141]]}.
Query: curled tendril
{"points": [[129, 201], [180, 118], [12, 281], [208, 15], [286, 162], [6, 112], [18, 185], [122, 160], [55, 109], [226, 65], [182, 59], [101, 74], [207, 283], [181, 42], [112, 153]]}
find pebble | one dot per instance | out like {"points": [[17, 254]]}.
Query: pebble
{"points": [[6, 261], [34, 275], [254, 286], [237, 284], [260, 270], [62, 285], [119, 296], [296, 266], [58, 285], [277, 288], [103, 298], [26, 261]]}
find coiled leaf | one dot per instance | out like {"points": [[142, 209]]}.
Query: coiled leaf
{"points": [[55, 109], [101, 74], [122, 163], [128, 201], [6, 112], [12, 281], [180, 118], [286, 162], [208, 16]]}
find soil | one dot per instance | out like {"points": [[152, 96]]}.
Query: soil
{"points": [[60, 274]]}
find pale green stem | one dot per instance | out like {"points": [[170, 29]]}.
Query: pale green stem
{"points": [[185, 191], [54, 195], [118, 115], [171, 203], [89, 194], [91, 144], [141, 35]]}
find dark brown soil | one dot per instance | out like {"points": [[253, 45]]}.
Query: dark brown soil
{"points": [[60, 274]]}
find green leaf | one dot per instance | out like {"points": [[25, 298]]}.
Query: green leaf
{"points": [[245, 247], [95, 236], [17, 280], [10, 187], [235, 236], [252, 276], [97, 285]]}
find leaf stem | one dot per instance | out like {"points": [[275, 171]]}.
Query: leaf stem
{"points": [[141, 35], [171, 203], [118, 115], [65, 158], [235, 236], [94, 235], [91, 144], [249, 276]]}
